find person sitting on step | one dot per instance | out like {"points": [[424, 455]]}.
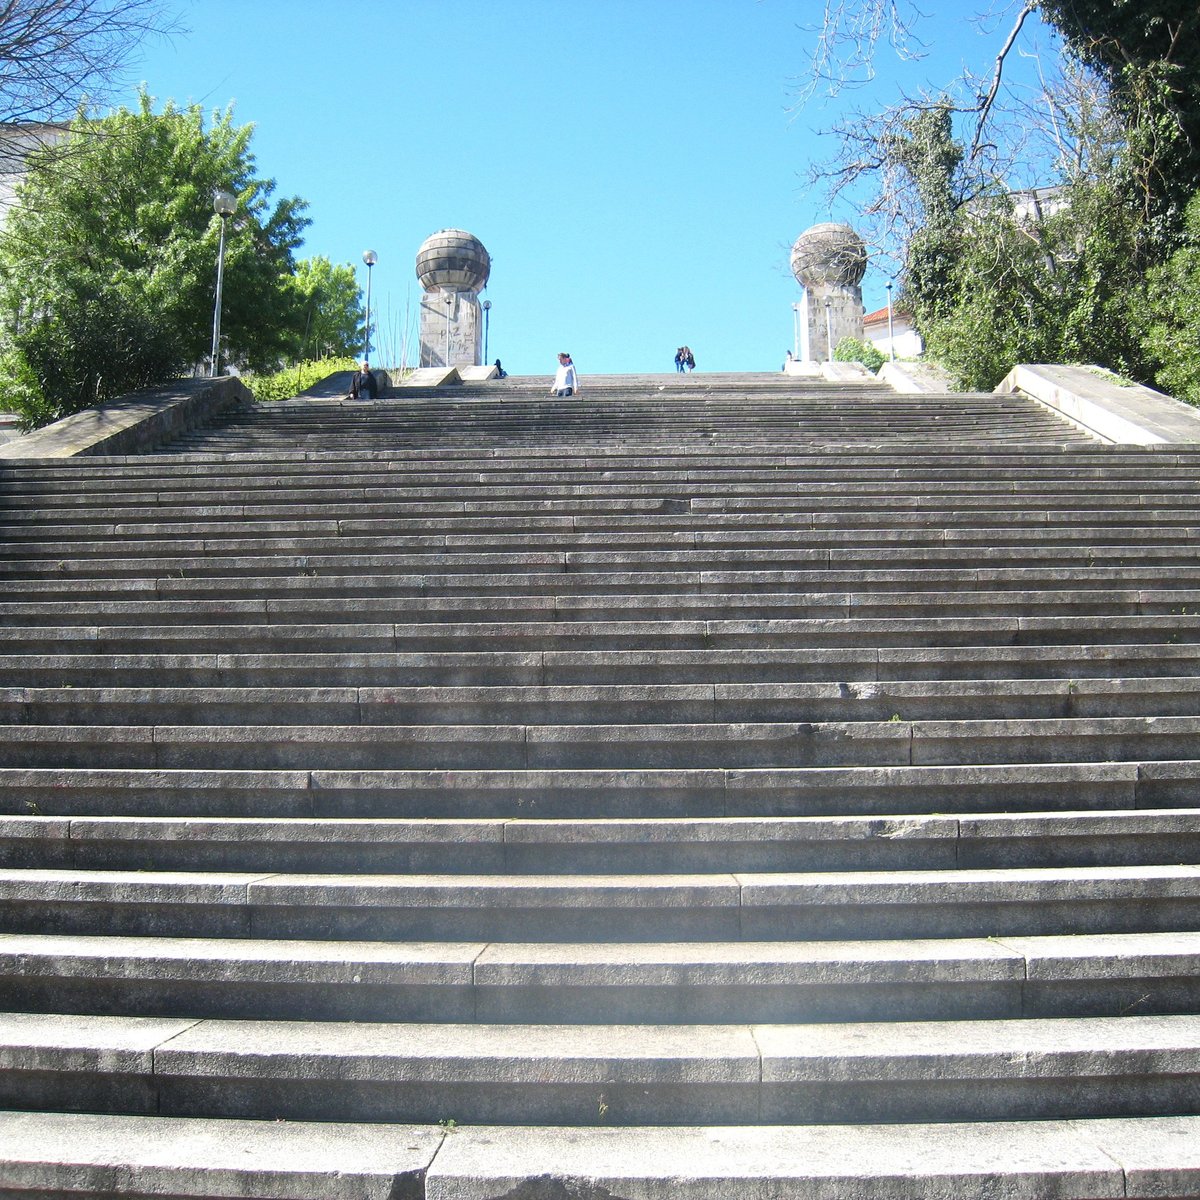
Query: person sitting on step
{"points": [[362, 383]]}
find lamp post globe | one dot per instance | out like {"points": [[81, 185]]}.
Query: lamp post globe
{"points": [[370, 258], [224, 205]]}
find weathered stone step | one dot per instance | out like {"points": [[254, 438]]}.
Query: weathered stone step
{"points": [[622, 1074], [1135, 1158], [624, 703], [274, 627], [597, 667], [637, 551], [624, 792], [1019, 529], [947, 461], [724, 906], [313, 599], [897, 742], [979, 491], [385, 576], [842, 500], [455, 845], [660, 983]]}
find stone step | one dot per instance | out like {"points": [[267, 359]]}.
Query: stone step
{"points": [[238, 580], [1093, 528], [895, 743], [153, 476], [948, 460], [623, 793], [636, 551], [310, 599], [639, 983], [1109, 665], [84, 1154], [269, 627], [619, 1074], [847, 506], [723, 906], [529, 845], [611, 704]]}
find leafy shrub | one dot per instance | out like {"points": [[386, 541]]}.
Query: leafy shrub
{"points": [[852, 350], [1172, 314], [21, 393], [291, 381]]}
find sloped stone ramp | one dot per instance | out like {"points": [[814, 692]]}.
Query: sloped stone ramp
{"points": [[714, 787]]}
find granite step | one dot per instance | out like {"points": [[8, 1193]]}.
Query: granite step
{"points": [[897, 742], [276, 627], [623, 793], [397, 576], [85, 1154], [609, 704], [1009, 978], [527, 845], [748, 549], [563, 1074], [858, 666], [313, 600], [715, 906]]}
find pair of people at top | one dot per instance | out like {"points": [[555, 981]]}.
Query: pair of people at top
{"points": [[684, 360], [566, 381]]}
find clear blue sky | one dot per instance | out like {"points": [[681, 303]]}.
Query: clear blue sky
{"points": [[634, 167]]}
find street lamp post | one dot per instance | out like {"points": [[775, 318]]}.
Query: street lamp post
{"points": [[891, 330], [370, 258], [224, 204], [829, 330], [449, 298], [796, 331], [487, 318]]}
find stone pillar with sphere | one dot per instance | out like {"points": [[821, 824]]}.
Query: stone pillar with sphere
{"points": [[453, 268], [829, 261]]}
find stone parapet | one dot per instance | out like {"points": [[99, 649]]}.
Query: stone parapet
{"points": [[133, 423], [1098, 402]]}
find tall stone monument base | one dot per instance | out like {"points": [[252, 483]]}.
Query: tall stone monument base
{"points": [[822, 328], [451, 329]]}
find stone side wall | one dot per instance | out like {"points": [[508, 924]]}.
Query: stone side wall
{"points": [[134, 423]]}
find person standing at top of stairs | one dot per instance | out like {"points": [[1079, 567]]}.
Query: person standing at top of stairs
{"points": [[566, 382]]}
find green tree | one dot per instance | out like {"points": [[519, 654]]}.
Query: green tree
{"points": [[108, 261], [1148, 53], [330, 309], [1171, 314]]}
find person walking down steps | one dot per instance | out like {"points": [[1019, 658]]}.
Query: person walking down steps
{"points": [[679, 360], [566, 382]]}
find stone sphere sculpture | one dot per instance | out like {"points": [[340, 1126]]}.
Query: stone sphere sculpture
{"points": [[453, 260], [829, 253]]}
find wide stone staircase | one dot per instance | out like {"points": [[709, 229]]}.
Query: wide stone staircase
{"points": [[721, 786]]}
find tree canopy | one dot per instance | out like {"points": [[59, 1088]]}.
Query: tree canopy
{"points": [[108, 260], [330, 316], [1037, 226]]}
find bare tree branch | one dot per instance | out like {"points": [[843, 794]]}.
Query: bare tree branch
{"points": [[55, 57], [848, 36], [987, 102]]}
